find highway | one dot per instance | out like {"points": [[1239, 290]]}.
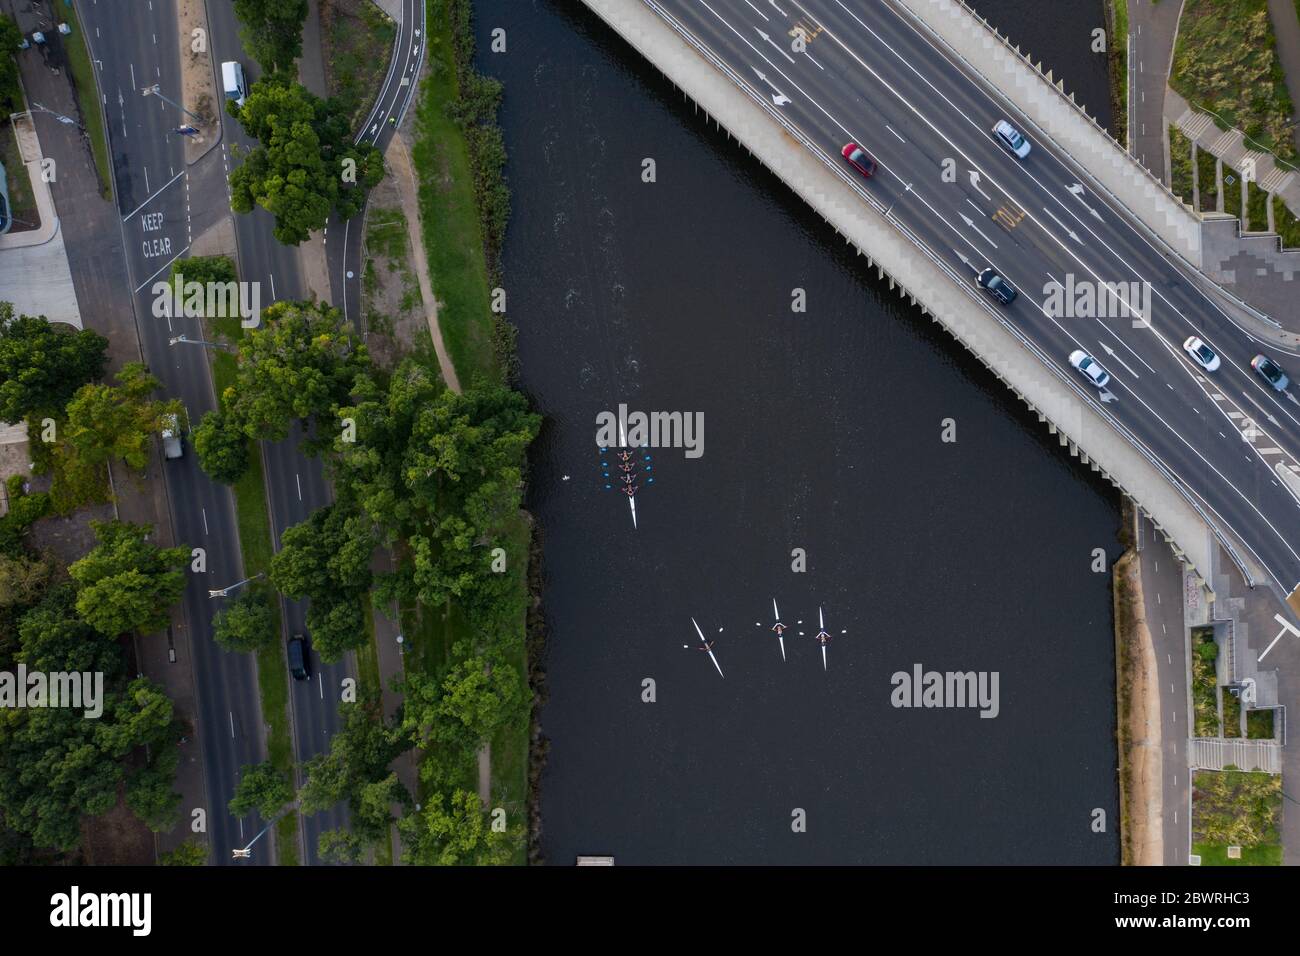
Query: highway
{"points": [[295, 484], [151, 184], [865, 71]]}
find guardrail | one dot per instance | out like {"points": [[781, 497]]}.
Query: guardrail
{"points": [[1087, 399]]}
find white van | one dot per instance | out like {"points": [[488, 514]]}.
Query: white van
{"points": [[232, 81], [171, 437]]}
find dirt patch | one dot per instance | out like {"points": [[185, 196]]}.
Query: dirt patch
{"points": [[1138, 702], [117, 838], [356, 43], [391, 304], [198, 80], [68, 538]]}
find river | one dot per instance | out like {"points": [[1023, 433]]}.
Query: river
{"points": [[823, 433]]}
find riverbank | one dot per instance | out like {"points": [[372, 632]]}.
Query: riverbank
{"points": [[1137, 708]]}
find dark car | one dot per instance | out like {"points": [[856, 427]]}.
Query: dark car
{"points": [[299, 666], [996, 286], [859, 159], [1270, 372]]}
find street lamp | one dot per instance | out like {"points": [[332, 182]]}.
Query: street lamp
{"points": [[225, 592], [66, 120], [247, 852], [186, 340], [155, 90]]}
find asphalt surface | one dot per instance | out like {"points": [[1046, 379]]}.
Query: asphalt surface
{"points": [[150, 188], [295, 484], [867, 75]]}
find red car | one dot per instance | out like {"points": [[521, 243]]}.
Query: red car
{"points": [[859, 159]]}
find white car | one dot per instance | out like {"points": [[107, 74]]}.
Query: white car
{"points": [[1201, 354], [1089, 368], [171, 437], [1011, 138]]}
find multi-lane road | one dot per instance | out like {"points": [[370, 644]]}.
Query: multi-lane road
{"points": [[160, 199], [865, 71], [151, 184]]}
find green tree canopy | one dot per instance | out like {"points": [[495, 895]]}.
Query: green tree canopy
{"points": [[478, 695], [222, 447], [301, 363], [43, 365], [271, 31], [454, 830], [262, 788], [247, 623], [126, 582], [305, 165]]}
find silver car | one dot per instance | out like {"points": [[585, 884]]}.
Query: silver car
{"points": [[1090, 368], [1011, 138]]}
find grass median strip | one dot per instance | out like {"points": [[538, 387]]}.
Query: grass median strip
{"points": [[83, 78]]}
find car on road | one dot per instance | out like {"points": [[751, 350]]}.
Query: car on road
{"points": [[171, 437], [299, 666], [996, 286], [1201, 354], [1089, 368], [233, 83], [1270, 372], [1011, 138], [859, 159]]}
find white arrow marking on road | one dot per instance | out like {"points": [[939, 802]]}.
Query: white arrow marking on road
{"points": [[1267, 413], [1076, 190], [1107, 397], [969, 265], [975, 184], [778, 98], [776, 45], [971, 222], [1068, 231], [1286, 626], [1111, 352]]}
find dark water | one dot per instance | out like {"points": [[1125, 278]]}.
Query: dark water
{"points": [[822, 433]]}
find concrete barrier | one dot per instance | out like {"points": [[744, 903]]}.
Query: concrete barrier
{"points": [[1080, 421]]}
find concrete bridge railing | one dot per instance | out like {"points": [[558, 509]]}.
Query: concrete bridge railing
{"points": [[1083, 423]]}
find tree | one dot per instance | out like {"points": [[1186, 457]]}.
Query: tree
{"points": [[355, 770], [43, 365], [247, 624], [306, 165], [300, 364], [262, 788], [189, 853], [453, 830], [271, 31], [56, 766], [222, 447], [22, 579], [340, 846], [477, 696], [52, 637], [126, 582]]}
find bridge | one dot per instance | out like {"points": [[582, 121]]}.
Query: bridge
{"points": [[1209, 456]]}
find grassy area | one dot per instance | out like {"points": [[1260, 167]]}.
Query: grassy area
{"points": [[1207, 181], [1288, 227], [1231, 807], [83, 79], [1232, 194], [1231, 714], [1259, 724], [1217, 855], [1118, 41], [449, 216], [22, 198], [1226, 62], [1257, 208], [358, 42], [253, 518], [1204, 682], [1180, 163]]}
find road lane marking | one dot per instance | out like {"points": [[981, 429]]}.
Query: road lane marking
{"points": [[892, 130]]}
